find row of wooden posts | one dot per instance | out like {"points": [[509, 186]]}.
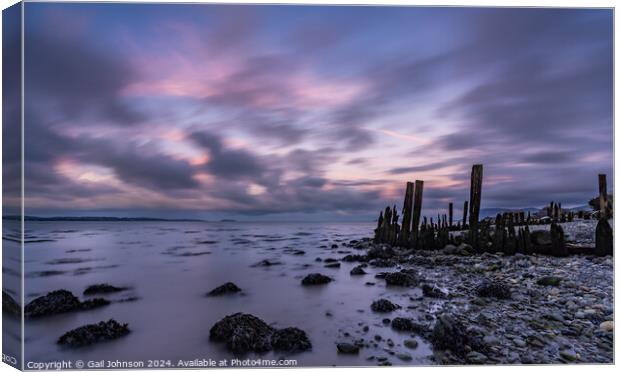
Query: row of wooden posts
{"points": [[415, 232]]}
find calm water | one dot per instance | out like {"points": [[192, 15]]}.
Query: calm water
{"points": [[171, 265]]}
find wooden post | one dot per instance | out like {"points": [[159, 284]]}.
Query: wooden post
{"points": [[602, 195], [450, 215], [406, 226], [417, 209], [465, 215], [475, 193]]}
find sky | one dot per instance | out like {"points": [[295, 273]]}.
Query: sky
{"points": [[311, 112]]}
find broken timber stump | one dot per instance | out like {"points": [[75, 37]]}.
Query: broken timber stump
{"points": [[450, 215], [406, 225], [417, 209], [475, 193], [604, 239]]}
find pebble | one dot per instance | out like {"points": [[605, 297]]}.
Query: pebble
{"points": [[411, 344], [607, 326]]}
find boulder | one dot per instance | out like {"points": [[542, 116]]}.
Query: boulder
{"points": [[553, 281], [333, 265], [94, 333], [103, 289], [291, 340], [433, 291], [227, 288], [60, 301], [347, 348], [381, 251], [451, 334], [407, 325], [243, 333], [9, 305], [403, 279], [493, 289], [383, 306], [358, 270], [355, 258], [315, 279]]}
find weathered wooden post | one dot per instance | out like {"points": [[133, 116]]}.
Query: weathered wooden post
{"points": [[450, 215], [417, 210], [475, 193], [406, 225], [602, 195], [465, 214]]}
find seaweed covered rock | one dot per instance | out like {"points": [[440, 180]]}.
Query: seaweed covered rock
{"points": [[103, 289], [407, 325], [401, 278], [433, 291], [451, 334], [94, 333], [384, 306], [381, 251], [93, 304], [290, 339], [226, 288], [493, 289], [358, 270], [316, 279], [355, 258], [347, 348], [553, 281], [243, 333], [60, 301], [9, 305]]}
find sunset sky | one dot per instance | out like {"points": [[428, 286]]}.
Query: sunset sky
{"points": [[319, 113]]}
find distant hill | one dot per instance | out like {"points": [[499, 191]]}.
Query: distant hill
{"points": [[492, 212], [100, 219]]}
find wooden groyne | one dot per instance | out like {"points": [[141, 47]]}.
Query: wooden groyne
{"points": [[509, 232]]}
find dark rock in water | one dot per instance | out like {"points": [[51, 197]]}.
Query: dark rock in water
{"points": [[94, 303], [334, 246], [330, 260], [358, 270], [407, 325], [266, 263], [549, 281], [103, 288], [333, 265], [93, 333], [381, 262], [493, 289], [604, 239], [450, 334], [432, 291], [347, 348], [242, 333], [354, 258], [381, 252], [384, 306], [227, 288], [9, 305], [316, 279], [402, 279], [290, 339], [60, 301]]}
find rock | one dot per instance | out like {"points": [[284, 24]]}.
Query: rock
{"points": [[474, 357], [491, 340], [315, 279], [433, 292], [607, 326], [94, 333], [569, 355], [9, 305], [493, 289], [266, 263], [383, 306], [358, 270], [58, 302], [404, 356], [333, 265], [604, 239], [227, 288], [450, 334], [549, 281], [411, 344], [243, 333], [449, 249], [354, 258], [347, 348], [381, 251], [291, 340], [407, 325], [103, 289], [401, 279]]}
